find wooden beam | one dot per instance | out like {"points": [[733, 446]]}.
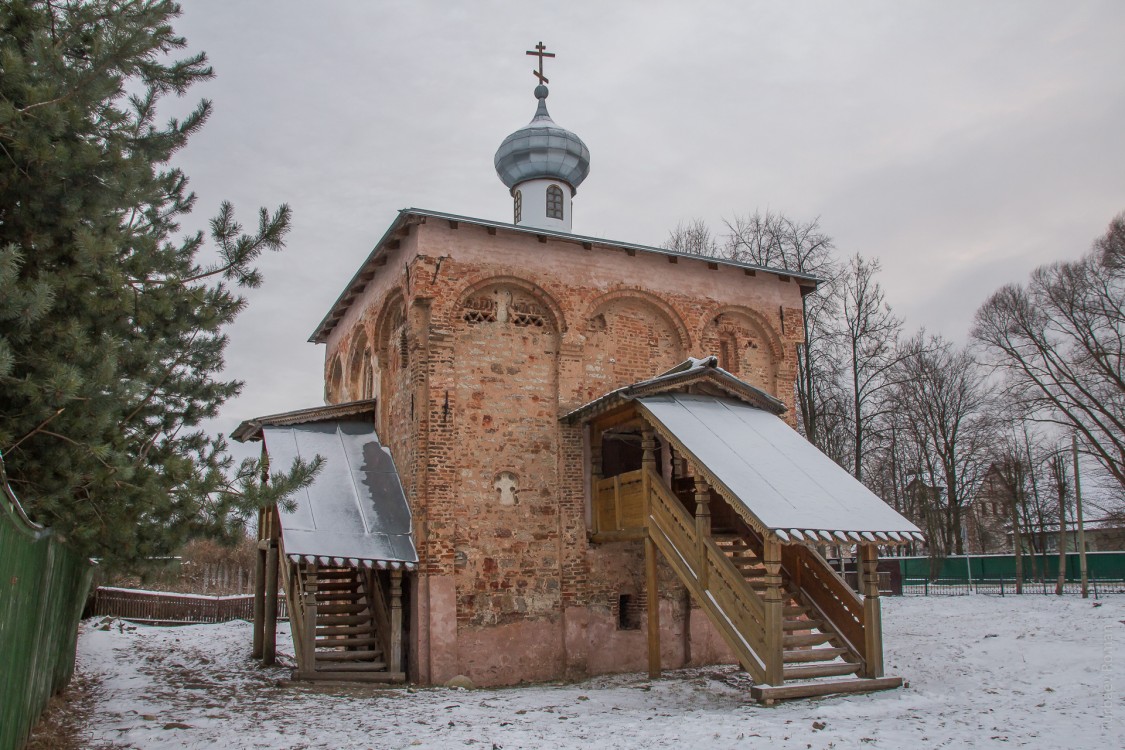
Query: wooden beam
{"points": [[259, 602], [702, 528], [652, 585], [774, 602], [308, 643], [269, 634], [768, 694], [394, 661], [872, 616]]}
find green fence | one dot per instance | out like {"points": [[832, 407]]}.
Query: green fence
{"points": [[43, 586], [1102, 566]]}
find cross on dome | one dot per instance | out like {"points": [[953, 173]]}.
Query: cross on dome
{"points": [[540, 53]]}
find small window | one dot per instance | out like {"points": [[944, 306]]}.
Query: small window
{"points": [[518, 206], [628, 613], [554, 202]]}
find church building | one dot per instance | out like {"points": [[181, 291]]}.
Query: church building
{"points": [[551, 456]]}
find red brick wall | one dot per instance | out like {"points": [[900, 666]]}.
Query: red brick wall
{"points": [[504, 334]]}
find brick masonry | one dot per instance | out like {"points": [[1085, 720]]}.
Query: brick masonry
{"points": [[475, 343]]}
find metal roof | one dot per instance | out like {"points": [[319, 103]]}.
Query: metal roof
{"points": [[367, 269], [542, 149], [354, 512], [783, 481], [690, 370], [251, 429]]}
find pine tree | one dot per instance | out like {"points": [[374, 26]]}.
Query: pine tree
{"points": [[111, 327]]}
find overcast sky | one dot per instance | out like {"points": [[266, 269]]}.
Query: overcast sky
{"points": [[961, 143]]}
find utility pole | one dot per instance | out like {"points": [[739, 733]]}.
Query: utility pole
{"points": [[1078, 518]]}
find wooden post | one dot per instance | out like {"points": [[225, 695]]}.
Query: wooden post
{"points": [[394, 661], [774, 601], [872, 617], [648, 465], [702, 526], [308, 643], [595, 476], [269, 634], [259, 597], [653, 609]]}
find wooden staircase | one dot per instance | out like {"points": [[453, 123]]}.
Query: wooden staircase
{"points": [[342, 624], [793, 623]]}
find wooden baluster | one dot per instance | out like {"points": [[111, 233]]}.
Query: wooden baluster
{"points": [[774, 601], [648, 466], [872, 616], [702, 527], [394, 664]]}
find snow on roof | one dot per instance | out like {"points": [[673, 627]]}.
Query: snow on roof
{"points": [[780, 478], [355, 510]]}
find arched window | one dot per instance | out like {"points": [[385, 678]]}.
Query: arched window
{"points": [[554, 202], [518, 206]]}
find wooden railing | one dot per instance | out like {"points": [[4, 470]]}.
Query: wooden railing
{"points": [[619, 504], [170, 608], [714, 581], [823, 587]]}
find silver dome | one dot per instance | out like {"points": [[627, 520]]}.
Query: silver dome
{"points": [[542, 149]]}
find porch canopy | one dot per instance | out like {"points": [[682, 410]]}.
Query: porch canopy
{"points": [[732, 434], [354, 512]]}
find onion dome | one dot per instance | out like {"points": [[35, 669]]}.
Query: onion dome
{"points": [[542, 150]]}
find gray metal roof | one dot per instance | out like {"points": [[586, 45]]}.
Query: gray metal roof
{"points": [[355, 511], [542, 149], [353, 411], [690, 370], [358, 282], [781, 479]]}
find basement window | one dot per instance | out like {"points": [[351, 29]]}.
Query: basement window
{"points": [[628, 613]]}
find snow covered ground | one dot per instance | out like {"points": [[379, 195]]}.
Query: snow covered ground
{"points": [[983, 671]]}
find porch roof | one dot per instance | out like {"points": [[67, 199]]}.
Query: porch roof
{"points": [[782, 481], [355, 511]]}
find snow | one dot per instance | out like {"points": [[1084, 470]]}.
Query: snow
{"points": [[1032, 671]]}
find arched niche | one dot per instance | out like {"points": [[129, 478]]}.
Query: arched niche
{"points": [[334, 380], [360, 373], [745, 344], [510, 298], [629, 336]]}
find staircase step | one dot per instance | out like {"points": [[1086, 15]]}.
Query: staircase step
{"points": [[338, 596], [793, 611], [371, 666], [329, 620], [337, 586], [367, 629], [812, 654], [348, 642], [348, 655], [769, 694], [813, 639], [341, 609], [801, 624], [819, 670]]}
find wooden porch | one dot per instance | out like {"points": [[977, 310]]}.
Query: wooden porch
{"points": [[791, 620]]}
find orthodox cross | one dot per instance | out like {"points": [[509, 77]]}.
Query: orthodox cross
{"points": [[538, 52]]}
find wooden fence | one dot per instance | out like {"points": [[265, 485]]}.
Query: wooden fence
{"points": [[167, 608], [43, 584]]}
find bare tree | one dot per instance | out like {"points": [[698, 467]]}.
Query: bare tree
{"points": [[1060, 342], [693, 237], [772, 240], [870, 338], [942, 394]]}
